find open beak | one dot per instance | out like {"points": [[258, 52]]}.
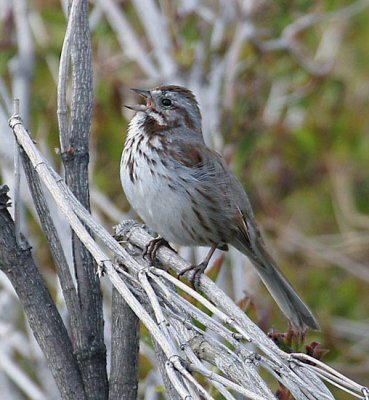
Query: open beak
{"points": [[140, 107]]}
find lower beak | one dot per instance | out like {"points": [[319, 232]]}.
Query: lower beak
{"points": [[137, 107]]}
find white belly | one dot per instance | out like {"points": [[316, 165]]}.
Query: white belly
{"points": [[159, 199]]}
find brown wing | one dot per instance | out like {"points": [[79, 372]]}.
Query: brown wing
{"points": [[221, 192]]}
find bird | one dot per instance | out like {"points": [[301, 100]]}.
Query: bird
{"points": [[186, 193]]}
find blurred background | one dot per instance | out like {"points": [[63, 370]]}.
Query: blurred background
{"points": [[284, 91]]}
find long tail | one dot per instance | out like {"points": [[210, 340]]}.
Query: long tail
{"points": [[279, 287]]}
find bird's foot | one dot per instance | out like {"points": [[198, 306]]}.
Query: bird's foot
{"points": [[152, 248], [198, 270]]}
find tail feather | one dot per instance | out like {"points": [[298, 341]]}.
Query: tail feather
{"points": [[280, 288]]}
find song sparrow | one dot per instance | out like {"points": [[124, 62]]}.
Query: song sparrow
{"points": [[185, 192]]}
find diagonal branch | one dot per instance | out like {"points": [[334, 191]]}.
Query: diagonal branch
{"points": [[66, 281]]}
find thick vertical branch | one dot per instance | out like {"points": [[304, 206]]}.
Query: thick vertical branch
{"points": [[123, 382], [43, 317], [91, 352]]}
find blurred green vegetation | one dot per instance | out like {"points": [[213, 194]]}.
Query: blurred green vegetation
{"points": [[289, 172]]}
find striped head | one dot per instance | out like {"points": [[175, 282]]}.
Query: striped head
{"points": [[169, 107]]}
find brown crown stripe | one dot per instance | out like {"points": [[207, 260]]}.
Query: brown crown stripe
{"points": [[178, 89]]}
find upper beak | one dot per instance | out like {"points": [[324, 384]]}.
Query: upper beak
{"points": [[142, 92], [140, 107]]}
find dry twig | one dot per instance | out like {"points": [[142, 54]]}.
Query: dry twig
{"points": [[169, 318]]}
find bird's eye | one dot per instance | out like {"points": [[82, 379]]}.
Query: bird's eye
{"points": [[166, 102]]}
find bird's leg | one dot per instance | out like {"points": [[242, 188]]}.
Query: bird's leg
{"points": [[153, 246], [198, 269]]}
